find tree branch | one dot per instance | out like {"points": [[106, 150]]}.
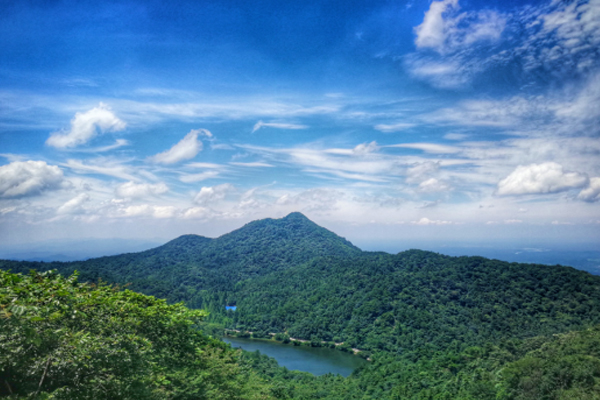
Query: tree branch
{"points": [[44, 375], [8, 386]]}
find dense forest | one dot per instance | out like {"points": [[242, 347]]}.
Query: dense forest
{"points": [[435, 327]]}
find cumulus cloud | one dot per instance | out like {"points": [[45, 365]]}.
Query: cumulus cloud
{"points": [[592, 192], [133, 190], [75, 205], [208, 195], [187, 148], [279, 125], [85, 126], [27, 178], [548, 177]]}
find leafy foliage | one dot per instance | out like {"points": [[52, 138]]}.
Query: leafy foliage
{"points": [[64, 340]]}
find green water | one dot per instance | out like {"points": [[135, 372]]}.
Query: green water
{"points": [[316, 360]]}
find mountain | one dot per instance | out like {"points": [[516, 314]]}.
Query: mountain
{"points": [[434, 326], [183, 267]]}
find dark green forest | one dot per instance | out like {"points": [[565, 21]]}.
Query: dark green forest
{"points": [[433, 326]]}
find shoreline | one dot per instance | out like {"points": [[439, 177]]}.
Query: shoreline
{"points": [[297, 342]]}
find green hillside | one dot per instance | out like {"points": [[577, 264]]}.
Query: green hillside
{"points": [[61, 339], [435, 327]]}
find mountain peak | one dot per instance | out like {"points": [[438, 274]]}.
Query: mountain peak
{"points": [[296, 215]]}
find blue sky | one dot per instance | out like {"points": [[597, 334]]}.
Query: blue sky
{"points": [[391, 121]]}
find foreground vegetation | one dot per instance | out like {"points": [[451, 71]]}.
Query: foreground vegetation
{"points": [[435, 327], [62, 339]]}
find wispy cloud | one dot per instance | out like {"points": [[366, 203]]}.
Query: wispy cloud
{"points": [[102, 167], [202, 176], [185, 149], [278, 125], [558, 36], [118, 143], [252, 164], [432, 148], [397, 127]]}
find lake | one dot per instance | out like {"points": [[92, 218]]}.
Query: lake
{"points": [[316, 360]]}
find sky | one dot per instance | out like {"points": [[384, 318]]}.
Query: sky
{"points": [[398, 122]]}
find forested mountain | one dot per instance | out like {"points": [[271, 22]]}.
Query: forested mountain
{"points": [[182, 268], [435, 326]]}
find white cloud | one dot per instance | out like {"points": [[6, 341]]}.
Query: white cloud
{"points": [[85, 126], [488, 25], [513, 221], [432, 185], [185, 149], [252, 164], [108, 167], [400, 126], [197, 213], [365, 148], [433, 31], [133, 190], [75, 205], [444, 30], [278, 125], [456, 136], [547, 177], [208, 195], [118, 143], [202, 176], [574, 22], [592, 192], [419, 171], [203, 165], [147, 210], [427, 221], [164, 211], [318, 199], [557, 222], [27, 178], [429, 147]]}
